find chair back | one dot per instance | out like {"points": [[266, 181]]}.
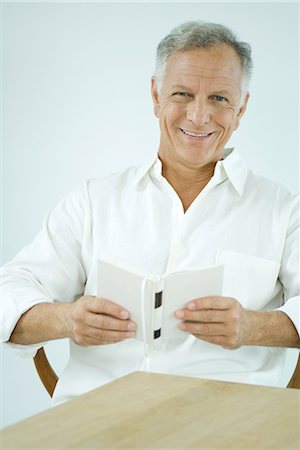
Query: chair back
{"points": [[46, 373], [295, 380], [49, 378]]}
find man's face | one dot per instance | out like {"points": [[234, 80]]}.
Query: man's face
{"points": [[199, 105]]}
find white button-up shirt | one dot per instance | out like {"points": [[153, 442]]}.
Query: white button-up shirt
{"points": [[136, 219]]}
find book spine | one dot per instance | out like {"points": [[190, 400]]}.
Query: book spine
{"points": [[157, 312], [143, 316], [157, 321]]}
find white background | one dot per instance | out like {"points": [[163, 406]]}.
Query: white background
{"points": [[76, 104]]}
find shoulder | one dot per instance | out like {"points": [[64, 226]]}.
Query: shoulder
{"points": [[123, 178], [96, 189], [272, 199], [78, 202], [114, 183], [269, 190]]}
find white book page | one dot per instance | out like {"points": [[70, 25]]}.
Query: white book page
{"points": [[126, 288], [181, 287]]}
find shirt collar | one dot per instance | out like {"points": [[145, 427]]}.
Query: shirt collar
{"points": [[231, 167], [235, 169], [145, 169]]}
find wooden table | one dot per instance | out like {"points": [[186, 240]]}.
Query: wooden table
{"points": [[145, 410]]}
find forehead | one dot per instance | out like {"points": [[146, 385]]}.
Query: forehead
{"points": [[219, 64]]}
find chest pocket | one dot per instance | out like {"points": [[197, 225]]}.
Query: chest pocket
{"points": [[253, 281]]}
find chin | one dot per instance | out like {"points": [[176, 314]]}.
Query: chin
{"points": [[198, 158]]}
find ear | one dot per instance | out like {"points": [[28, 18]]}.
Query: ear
{"points": [[241, 111], [155, 96]]}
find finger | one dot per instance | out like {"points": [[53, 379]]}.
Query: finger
{"points": [[110, 336], [86, 340], [212, 302], [218, 340], [223, 341], [104, 306], [204, 329], [109, 323], [106, 336], [203, 315]]}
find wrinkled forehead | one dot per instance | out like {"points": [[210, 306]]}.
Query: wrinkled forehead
{"points": [[219, 64]]}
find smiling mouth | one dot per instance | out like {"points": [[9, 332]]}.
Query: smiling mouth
{"points": [[200, 135]]}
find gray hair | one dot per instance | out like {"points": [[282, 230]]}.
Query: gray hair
{"points": [[198, 34]]}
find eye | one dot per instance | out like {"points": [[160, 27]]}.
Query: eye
{"points": [[181, 94], [219, 98]]}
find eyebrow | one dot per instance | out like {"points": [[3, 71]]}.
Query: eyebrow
{"points": [[220, 91], [180, 86]]}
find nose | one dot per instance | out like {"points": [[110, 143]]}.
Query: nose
{"points": [[198, 112]]}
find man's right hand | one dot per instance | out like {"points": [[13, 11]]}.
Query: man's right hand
{"points": [[87, 321], [97, 321]]}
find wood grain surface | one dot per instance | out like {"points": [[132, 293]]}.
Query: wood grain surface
{"points": [[146, 410]]}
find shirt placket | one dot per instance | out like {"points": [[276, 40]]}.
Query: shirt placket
{"points": [[178, 250], [181, 223]]}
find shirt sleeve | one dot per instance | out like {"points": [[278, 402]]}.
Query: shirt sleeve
{"points": [[50, 269], [290, 268]]}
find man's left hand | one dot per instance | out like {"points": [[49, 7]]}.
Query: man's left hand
{"points": [[219, 320]]}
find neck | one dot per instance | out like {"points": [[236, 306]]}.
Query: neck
{"points": [[187, 182]]}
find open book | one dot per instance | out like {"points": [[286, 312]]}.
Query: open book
{"points": [[152, 300]]}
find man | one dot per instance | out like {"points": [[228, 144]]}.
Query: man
{"points": [[195, 205]]}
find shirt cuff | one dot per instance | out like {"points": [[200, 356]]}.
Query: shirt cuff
{"points": [[14, 306], [292, 309], [25, 351]]}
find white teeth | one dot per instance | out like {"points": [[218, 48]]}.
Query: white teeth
{"points": [[195, 135]]}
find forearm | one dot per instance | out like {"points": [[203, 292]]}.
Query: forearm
{"points": [[41, 323], [272, 328]]}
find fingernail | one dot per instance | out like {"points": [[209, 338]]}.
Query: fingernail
{"points": [[130, 333], [131, 326], [181, 326], [179, 314], [192, 306], [124, 314]]}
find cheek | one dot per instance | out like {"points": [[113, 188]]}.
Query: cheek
{"points": [[236, 122], [170, 114], [228, 121]]}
